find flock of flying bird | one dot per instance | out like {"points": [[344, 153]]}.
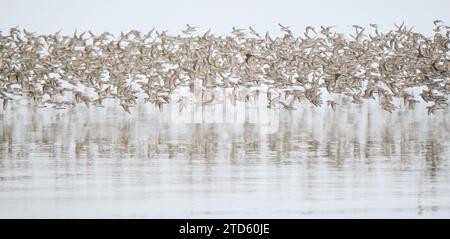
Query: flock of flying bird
{"points": [[60, 70]]}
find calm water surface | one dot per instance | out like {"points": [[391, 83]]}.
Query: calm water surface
{"points": [[101, 162]]}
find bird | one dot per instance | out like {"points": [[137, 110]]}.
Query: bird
{"points": [[332, 104], [58, 71], [5, 103], [436, 22], [189, 29], [287, 106]]}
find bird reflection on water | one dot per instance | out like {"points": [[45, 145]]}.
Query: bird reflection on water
{"points": [[102, 162]]}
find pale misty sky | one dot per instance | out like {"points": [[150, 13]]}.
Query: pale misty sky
{"points": [[47, 16]]}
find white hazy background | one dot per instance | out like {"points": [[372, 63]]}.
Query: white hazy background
{"points": [[48, 16], [104, 163]]}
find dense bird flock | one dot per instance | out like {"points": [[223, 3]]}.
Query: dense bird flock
{"points": [[60, 71]]}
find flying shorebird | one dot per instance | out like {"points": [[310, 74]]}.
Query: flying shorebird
{"points": [[189, 29], [332, 104], [436, 22]]}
